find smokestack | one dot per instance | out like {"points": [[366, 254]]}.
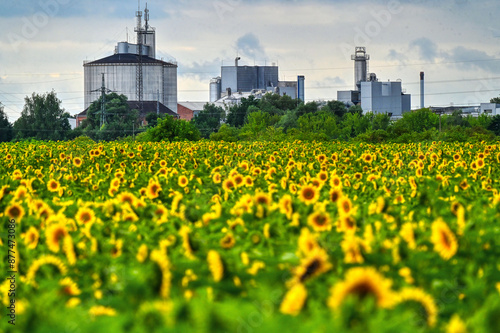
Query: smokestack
{"points": [[422, 92], [236, 61]]}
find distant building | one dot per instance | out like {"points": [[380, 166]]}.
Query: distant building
{"points": [[189, 110], [133, 71], [384, 97], [372, 95], [490, 108], [252, 80]]}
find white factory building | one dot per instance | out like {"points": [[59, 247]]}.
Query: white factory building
{"points": [[237, 82], [134, 71], [374, 95]]}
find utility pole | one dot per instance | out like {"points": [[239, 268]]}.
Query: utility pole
{"points": [[103, 91]]}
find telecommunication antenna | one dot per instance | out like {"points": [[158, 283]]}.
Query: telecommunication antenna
{"points": [[139, 75]]}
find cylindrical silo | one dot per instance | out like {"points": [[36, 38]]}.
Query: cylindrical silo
{"points": [[215, 89]]}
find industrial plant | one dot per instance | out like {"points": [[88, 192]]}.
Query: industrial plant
{"points": [[237, 82], [150, 84], [374, 95]]}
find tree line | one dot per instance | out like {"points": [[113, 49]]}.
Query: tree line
{"points": [[272, 117]]}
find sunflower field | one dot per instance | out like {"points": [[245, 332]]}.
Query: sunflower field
{"points": [[250, 237]]}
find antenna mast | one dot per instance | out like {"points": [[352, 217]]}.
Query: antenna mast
{"points": [[139, 76]]}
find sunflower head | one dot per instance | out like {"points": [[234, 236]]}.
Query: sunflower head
{"points": [[308, 194], [319, 221], [362, 282]]}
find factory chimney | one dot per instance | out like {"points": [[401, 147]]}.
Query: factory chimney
{"points": [[360, 66], [422, 104]]}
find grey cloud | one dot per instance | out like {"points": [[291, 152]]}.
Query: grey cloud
{"points": [[471, 59], [249, 46], [397, 56], [204, 70], [427, 49]]}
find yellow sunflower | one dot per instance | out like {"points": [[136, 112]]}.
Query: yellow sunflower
{"points": [[53, 185], [183, 181], [308, 194], [215, 265], [456, 325], [228, 185], [54, 234], [294, 300], [344, 206], [314, 264], [85, 215], [445, 242], [31, 238], [77, 161], [227, 241], [69, 287], [319, 221], [421, 297], [362, 282], [153, 190], [15, 211]]}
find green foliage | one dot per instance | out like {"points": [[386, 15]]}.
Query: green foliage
{"points": [[209, 119], [42, 118], [276, 104], [152, 119], [318, 126], [225, 133], [494, 125], [288, 120], [483, 120], [171, 129], [237, 113], [417, 121], [355, 109], [309, 107], [374, 136], [354, 124], [337, 108], [453, 120], [256, 123], [495, 100], [120, 121], [6, 133]]}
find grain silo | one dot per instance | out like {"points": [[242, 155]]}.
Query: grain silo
{"points": [[134, 71]]}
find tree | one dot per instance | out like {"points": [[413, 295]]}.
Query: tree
{"points": [[208, 121], [318, 125], [152, 119], [309, 107], [495, 125], [238, 112], [417, 121], [272, 102], [170, 129], [118, 120], [6, 133], [336, 107], [495, 100], [42, 118]]}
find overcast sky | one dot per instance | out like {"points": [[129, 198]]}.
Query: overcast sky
{"points": [[456, 42]]}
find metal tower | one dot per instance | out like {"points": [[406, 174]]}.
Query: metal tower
{"points": [[360, 66], [103, 91], [139, 76]]}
